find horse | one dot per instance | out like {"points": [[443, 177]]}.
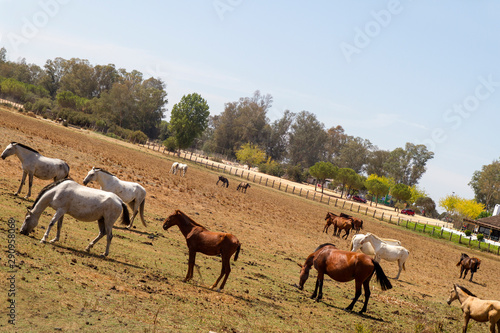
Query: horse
{"points": [[133, 194], [243, 187], [83, 203], [339, 223], [386, 251], [174, 167], [224, 180], [343, 266], [199, 239], [476, 308], [467, 263], [330, 219], [367, 248], [182, 168], [357, 224], [35, 164]]}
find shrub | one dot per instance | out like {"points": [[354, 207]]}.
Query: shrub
{"points": [[170, 144], [467, 232], [480, 237], [138, 137]]}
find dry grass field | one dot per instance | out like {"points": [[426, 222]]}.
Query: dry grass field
{"points": [[139, 288]]}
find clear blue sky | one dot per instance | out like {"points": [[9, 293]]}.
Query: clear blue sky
{"points": [[388, 71]]}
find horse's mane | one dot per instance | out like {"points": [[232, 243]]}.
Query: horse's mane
{"points": [[102, 170], [189, 219], [46, 188], [323, 245], [24, 146], [465, 290]]}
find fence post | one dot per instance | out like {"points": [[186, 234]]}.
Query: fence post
{"points": [[286, 188], [374, 212], [300, 193], [441, 231], [307, 194], [279, 187], [273, 182], [321, 199], [336, 200], [359, 208], [451, 235], [329, 201], [260, 179], [382, 217], [254, 177], [343, 205], [399, 219], [390, 218], [267, 180], [314, 196], [366, 211], [351, 206], [415, 226]]}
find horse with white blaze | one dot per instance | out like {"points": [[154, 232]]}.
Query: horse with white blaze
{"points": [[35, 164], [83, 203], [131, 193]]}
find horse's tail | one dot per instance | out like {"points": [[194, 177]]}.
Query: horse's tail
{"points": [[125, 215], [352, 244], [237, 252], [67, 169], [385, 284], [141, 211]]}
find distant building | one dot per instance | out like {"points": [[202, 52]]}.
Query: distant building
{"points": [[488, 226]]}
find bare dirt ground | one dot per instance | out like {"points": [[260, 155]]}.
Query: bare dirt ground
{"points": [[139, 289]]}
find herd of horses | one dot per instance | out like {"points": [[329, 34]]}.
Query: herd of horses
{"points": [[225, 183], [105, 206]]}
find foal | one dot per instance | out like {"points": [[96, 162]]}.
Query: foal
{"points": [[199, 239]]}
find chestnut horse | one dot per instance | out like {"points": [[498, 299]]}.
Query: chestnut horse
{"points": [[199, 239], [357, 224], [476, 308], [343, 266], [467, 263], [339, 223]]}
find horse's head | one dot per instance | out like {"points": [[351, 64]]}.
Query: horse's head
{"points": [[172, 220], [453, 295], [30, 222], [8, 151], [304, 274], [90, 176]]}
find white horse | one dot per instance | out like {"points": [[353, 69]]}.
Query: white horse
{"points": [[473, 307], [367, 248], [35, 164], [133, 194], [387, 251], [83, 203], [174, 167], [182, 168]]}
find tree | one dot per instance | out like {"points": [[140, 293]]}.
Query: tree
{"points": [[188, 119], [449, 203], [401, 192], [408, 165], [307, 139], [428, 205], [375, 162], [345, 177], [376, 188], [250, 154], [321, 171], [354, 154], [416, 193], [486, 184], [278, 138]]}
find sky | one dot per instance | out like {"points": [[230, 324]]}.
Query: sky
{"points": [[392, 72]]}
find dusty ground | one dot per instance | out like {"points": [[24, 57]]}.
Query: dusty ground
{"points": [[272, 226]]}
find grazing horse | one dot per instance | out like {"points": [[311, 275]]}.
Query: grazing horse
{"points": [[343, 266], [243, 187], [199, 239], [35, 164], [386, 251], [467, 263], [224, 180], [133, 194], [476, 308], [83, 203], [174, 167], [367, 248]]}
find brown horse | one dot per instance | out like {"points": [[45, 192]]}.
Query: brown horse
{"points": [[339, 223], [199, 239], [467, 263], [343, 266], [357, 224], [330, 219]]}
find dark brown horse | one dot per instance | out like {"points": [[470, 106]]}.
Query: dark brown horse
{"points": [[343, 266], [357, 224], [199, 239], [467, 263], [243, 187]]}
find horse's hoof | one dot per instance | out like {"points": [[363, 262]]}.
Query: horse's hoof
{"points": [[42, 241], [53, 241]]}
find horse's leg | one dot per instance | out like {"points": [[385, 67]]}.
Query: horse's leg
{"points": [[471, 275], [346, 233], [102, 231], [466, 270], [135, 210], [400, 263], [59, 214], [30, 183], [23, 179], [461, 271], [356, 296], [192, 258], [466, 322], [141, 211], [318, 290], [59, 226], [366, 288], [109, 236], [226, 269]]}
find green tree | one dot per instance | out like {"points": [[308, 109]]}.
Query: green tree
{"points": [[486, 184], [189, 118], [321, 171], [401, 192], [345, 177], [408, 165], [250, 154], [354, 154], [307, 138], [428, 206], [376, 188]]}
